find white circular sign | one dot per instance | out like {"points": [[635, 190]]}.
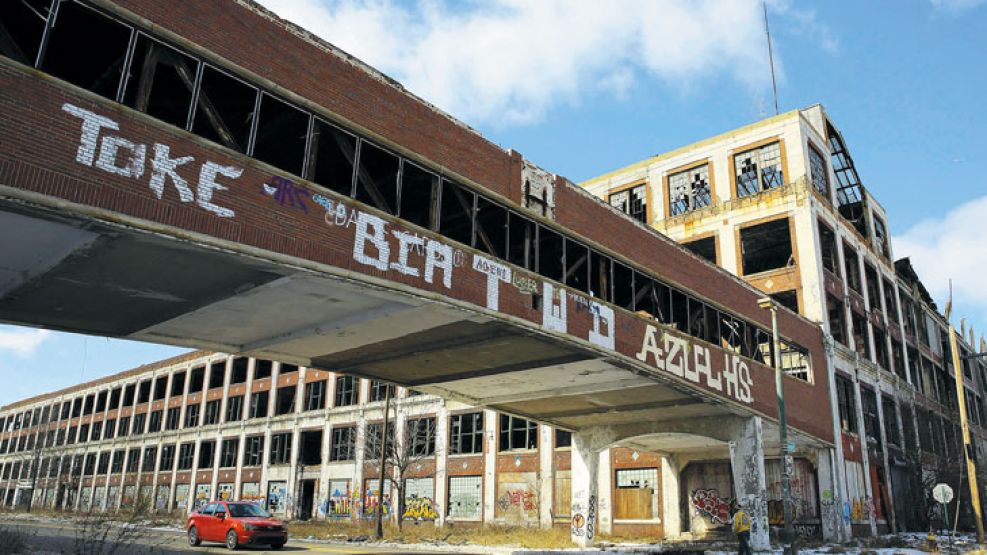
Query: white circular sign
{"points": [[942, 493]]}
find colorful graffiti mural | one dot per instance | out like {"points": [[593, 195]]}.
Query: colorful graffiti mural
{"points": [[419, 508], [518, 498], [708, 503], [250, 492]]}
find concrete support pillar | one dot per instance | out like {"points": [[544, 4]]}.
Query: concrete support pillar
{"points": [[864, 454], [585, 482], [671, 516], [358, 490], [441, 461], [489, 464], [546, 448], [889, 509], [830, 497], [747, 463], [604, 505]]}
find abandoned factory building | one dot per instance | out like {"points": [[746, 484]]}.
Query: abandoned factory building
{"points": [[591, 357]]}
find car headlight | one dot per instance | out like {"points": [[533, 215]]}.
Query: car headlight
{"points": [[249, 527]]}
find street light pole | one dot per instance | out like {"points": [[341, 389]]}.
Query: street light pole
{"points": [[786, 486]]}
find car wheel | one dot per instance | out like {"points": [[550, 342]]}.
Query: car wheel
{"points": [[276, 546], [231, 541], [193, 537]]}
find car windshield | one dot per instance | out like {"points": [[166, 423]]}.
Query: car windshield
{"points": [[244, 509]]}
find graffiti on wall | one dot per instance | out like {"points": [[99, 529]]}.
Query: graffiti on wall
{"points": [[862, 508], [161, 498], [339, 503], [224, 492], [277, 497], [203, 494], [250, 493], [709, 504], [517, 498], [181, 496], [419, 508], [286, 193], [591, 518]]}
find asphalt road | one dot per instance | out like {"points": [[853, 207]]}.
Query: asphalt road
{"points": [[45, 538]]}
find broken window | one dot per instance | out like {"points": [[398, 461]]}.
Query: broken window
{"points": [[150, 459], [124, 428], [881, 237], [311, 447], [379, 389], [652, 298], [239, 373], [766, 246], [466, 435], [253, 451], [897, 359], [846, 398], [97, 431], [191, 415], [881, 348], [491, 227], [133, 459], [262, 369], [703, 248], [346, 391], [860, 337], [377, 178], [315, 395], [576, 265], [837, 318], [818, 172], [680, 310], [173, 418], [186, 453], [258, 404], [852, 268], [161, 81], [87, 408], [196, 379], [207, 454], [333, 156], [102, 467], [109, 428], [76, 408], [868, 402], [890, 304], [224, 109], [521, 241], [343, 444], [787, 299], [287, 368], [285, 400], [623, 286], [160, 387], [849, 192], [104, 40], [100, 407], [154, 424], [177, 384], [419, 194], [599, 276], [217, 374], [22, 25], [517, 433], [758, 170], [374, 435], [211, 415], [456, 214], [632, 201], [281, 133], [234, 408], [704, 322], [144, 392], [689, 190], [891, 432], [227, 453], [420, 437], [550, 254], [167, 458], [735, 336], [873, 288]]}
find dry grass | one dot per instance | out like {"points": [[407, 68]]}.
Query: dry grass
{"points": [[529, 537]]}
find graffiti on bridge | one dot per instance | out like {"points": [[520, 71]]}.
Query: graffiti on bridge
{"points": [[708, 503]]}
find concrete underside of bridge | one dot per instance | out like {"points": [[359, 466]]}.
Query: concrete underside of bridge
{"points": [[81, 274]]}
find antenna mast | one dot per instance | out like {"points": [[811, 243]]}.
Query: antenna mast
{"points": [[771, 58]]}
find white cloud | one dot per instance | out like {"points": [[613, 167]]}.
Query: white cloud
{"points": [[21, 341], [952, 247], [511, 61]]}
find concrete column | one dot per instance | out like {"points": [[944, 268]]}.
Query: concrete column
{"points": [[747, 463], [441, 460], [489, 464], [671, 516], [604, 504], [361, 442], [830, 502], [839, 488], [889, 510], [864, 454], [546, 447], [585, 484]]}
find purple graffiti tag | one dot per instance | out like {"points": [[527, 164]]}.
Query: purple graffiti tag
{"points": [[287, 193]]}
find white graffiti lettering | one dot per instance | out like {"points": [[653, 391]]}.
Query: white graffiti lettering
{"points": [[553, 314], [406, 241], [496, 273], [602, 333], [372, 248], [120, 156]]}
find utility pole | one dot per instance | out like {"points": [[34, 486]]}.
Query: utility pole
{"points": [[971, 466], [786, 484], [383, 462], [771, 57]]}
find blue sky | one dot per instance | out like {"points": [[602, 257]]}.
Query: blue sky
{"points": [[582, 88]]}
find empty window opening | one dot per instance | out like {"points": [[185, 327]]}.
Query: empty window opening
{"points": [[818, 172], [766, 246], [873, 288], [224, 109], [154, 424], [521, 241], [258, 404], [207, 454], [138, 427], [262, 369], [100, 405], [881, 238], [563, 439], [577, 265], [491, 227], [285, 400], [860, 337], [623, 286], [343, 444], [849, 192], [689, 190], [311, 447], [890, 303], [315, 395], [234, 408], [632, 201], [177, 384], [22, 24], [333, 157], [868, 402], [898, 359], [191, 416], [150, 459], [420, 437], [846, 398], [680, 311], [852, 268], [379, 389], [104, 40], [239, 374], [419, 195], [703, 248], [758, 170], [144, 392], [466, 433], [217, 374], [160, 387], [161, 81], [228, 452], [600, 283], [881, 349], [253, 451], [517, 433], [652, 299], [186, 452], [377, 178], [281, 133], [550, 254], [827, 247], [173, 418], [456, 214], [287, 369], [373, 446], [115, 395], [837, 318], [787, 299], [196, 378], [346, 391]]}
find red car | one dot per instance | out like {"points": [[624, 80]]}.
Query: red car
{"points": [[235, 524]]}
